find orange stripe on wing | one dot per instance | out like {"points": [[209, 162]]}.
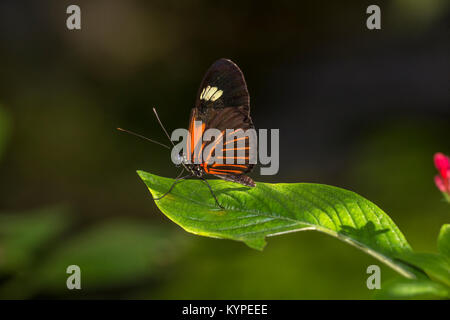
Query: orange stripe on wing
{"points": [[228, 165], [232, 157], [216, 142], [234, 140], [246, 148], [230, 133], [224, 172], [196, 137]]}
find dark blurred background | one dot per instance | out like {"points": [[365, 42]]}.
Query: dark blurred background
{"points": [[359, 109]]}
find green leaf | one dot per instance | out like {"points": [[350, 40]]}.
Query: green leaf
{"points": [[251, 214], [109, 255], [412, 289], [444, 240], [435, 265], [113, 254], [23, 234]]}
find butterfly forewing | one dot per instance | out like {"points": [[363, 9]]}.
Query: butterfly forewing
{"points": [[222, 86], [223, 103]]}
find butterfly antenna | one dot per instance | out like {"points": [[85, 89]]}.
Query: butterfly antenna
{"points": [[145, 138], [164, 129]]}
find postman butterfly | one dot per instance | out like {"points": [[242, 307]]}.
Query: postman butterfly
{"points": [[222, 103]]}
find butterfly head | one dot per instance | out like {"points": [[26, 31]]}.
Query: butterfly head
{"points": [[182, 159]]}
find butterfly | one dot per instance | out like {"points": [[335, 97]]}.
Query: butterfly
{"points": [[222, 103]]}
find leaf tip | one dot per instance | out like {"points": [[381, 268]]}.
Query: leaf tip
{"points": [[256, 243], [141, 173], [146, 177]]}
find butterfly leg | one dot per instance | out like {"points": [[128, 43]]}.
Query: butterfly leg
{"points": [[177, 179], [212, 192]]}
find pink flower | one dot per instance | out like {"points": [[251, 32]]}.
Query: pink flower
{"points": [[442, 163]]}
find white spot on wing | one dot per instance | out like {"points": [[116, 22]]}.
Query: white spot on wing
{"points": [[201, 94], [216, 95], [210, 93]]}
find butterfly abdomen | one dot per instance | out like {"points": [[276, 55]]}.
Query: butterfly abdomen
{"points": [[245, 180], [241, 179]]}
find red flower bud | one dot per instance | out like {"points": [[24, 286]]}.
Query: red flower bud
{"points": [[442, 181]]}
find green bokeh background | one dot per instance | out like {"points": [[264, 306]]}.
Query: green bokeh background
{"points": [[363, 110]]}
